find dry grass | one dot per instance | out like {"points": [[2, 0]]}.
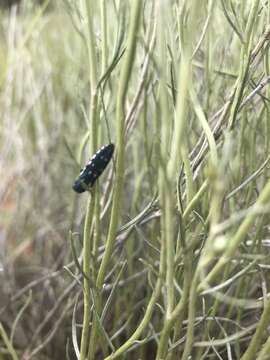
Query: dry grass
{"points": [[182, 213]]}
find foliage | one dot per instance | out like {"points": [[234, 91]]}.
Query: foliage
{"points": [[167, 257]]}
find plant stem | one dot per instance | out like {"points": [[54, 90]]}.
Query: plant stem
{"points": [[120, 144]]}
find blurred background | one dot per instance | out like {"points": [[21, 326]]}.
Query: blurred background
{"points": [[43, 90]]}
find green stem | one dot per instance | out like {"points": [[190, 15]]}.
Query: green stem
{"points": [[120, 117], [178, 310], [86, 284], [244, 63], [104, 32], [148, 313], [97, 233], [264, 353], [191, 318], [262, 200], [87, 12], [252, 349]]}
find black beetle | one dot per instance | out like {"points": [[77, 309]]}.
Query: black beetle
{"points": [[93, 169]]}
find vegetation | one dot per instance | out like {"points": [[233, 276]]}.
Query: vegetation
{"points": [[167, 256]]}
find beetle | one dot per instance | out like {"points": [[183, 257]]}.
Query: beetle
{"points": [[93, 169]]}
